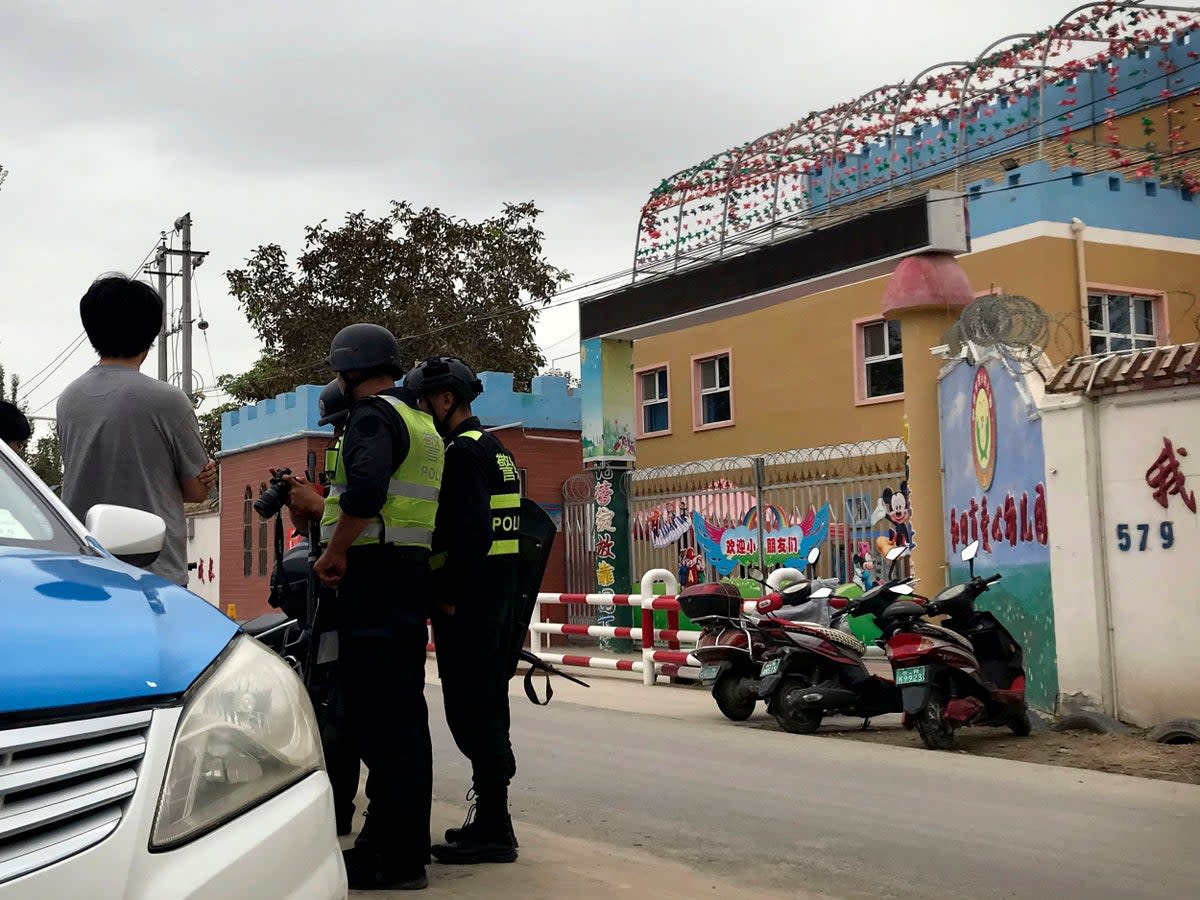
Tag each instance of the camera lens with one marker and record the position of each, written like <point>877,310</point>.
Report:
<point>272,500</point>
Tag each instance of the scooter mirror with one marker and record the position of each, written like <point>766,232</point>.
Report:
<point>970,551</point>
<point>756,573</point>
<point>902,589</point>
<point>895,553</point>
<point>813,555</point>
<point>822,593</point>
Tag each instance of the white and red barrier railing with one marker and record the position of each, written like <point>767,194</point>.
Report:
<point>654,662</point>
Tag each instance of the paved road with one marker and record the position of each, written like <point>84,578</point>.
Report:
<point>782,812</point>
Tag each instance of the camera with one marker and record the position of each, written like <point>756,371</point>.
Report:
<point>273,499</point>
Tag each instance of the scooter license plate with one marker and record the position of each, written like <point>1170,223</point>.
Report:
<point>708,674</point>
<point>770,667</point>
<point>913,675</point>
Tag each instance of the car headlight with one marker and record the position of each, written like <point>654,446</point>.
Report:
<point>247,733</point>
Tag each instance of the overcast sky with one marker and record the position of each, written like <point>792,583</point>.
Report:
<point>261,118</point>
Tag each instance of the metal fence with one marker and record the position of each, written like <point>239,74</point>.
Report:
<point>860,483</point>
<point>768,494</point>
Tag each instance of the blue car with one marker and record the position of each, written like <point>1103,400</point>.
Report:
<point>148,748</point>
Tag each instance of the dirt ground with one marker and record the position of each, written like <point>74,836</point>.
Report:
<point>1119,754</point>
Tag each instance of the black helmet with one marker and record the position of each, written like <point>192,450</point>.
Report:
<point>444,373</point>
<point>364,346</point>
<point>332,404</point>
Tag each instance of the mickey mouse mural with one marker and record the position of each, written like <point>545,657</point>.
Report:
<point>894,506</point>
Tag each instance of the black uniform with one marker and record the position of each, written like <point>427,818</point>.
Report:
<point>383,605</point>
<point>475,571</point>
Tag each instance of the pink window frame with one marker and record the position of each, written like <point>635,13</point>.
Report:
<point>1162,324</point>
<point>860,366</point>
<point>638,398</point>
<point>697,418</point>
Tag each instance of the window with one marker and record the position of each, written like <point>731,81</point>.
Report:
<point>883,363</point>
<point>715,406</point>
<point>653,398</point>
<point>247,533</point>
<point>1121,322</point>
<point>262,538</point>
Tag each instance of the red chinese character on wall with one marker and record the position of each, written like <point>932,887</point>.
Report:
<point>730,548</point>
<point>1166,478</point>
<point>605,547</point>
<point>604,492</point>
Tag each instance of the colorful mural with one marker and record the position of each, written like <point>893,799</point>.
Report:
<point>993,469</point>
<point>784,544</point>
<point>606,368</point>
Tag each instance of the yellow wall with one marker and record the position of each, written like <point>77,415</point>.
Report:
<point>793,364</point>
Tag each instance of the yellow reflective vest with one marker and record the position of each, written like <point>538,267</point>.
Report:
<point>408,514</point>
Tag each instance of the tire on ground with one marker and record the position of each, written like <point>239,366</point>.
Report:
<point>1177,731</point>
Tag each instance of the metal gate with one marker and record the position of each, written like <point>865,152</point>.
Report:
<point>579,536</point>
<point>768,495</point>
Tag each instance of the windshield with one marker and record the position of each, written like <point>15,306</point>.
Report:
<point>28,521</point>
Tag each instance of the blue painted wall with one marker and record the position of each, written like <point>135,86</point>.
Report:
<point>1102,200</point>
<point>547,406</point>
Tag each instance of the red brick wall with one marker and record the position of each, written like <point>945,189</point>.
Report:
<point>547,464</point>
<point>248,594</point>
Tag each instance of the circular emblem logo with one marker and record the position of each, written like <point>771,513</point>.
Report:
<point>983,428</point>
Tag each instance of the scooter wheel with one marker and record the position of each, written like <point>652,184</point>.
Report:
<point>794,718</point>
<point>732,698</point>
<point>1019,723</point>
<point>936,733</point>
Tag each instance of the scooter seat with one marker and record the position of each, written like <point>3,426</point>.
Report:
<point>260,625</point>
<point>833,635</point>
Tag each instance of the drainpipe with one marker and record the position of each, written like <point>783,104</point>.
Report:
<point>1093,456</point>
<point>1085,337</point>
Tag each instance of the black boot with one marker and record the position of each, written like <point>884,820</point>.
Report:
<point>367,869</point>
<point>487,838</point>
<point>470,826</point>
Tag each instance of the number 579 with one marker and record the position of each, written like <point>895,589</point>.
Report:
<point>1125,538</point>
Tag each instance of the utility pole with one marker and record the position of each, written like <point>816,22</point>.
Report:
<point>160,265</point>
<point>184,224</point>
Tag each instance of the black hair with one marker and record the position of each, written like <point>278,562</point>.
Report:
<point>14,427</point>
<point>122,317</point>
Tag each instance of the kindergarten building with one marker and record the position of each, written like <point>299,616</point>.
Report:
<point>791,365</point>
<point>540,427</point>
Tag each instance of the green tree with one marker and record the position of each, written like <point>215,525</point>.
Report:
<point>45,458</point>
<point>440,284</point>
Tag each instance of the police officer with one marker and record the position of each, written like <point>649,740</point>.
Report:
<point>377,531</point>
<point>475,587</point>
<point>342,760</point>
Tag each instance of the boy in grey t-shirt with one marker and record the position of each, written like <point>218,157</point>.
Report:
<point>126,438</point>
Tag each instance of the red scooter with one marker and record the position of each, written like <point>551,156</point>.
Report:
<point>969,671</point>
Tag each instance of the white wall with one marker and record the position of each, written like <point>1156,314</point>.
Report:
<point>204,548</point>
<point>1147,669</point>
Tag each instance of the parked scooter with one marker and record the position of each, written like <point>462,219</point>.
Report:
<point>730,647</point>
<point>811,671</point>
<point>967,671</point>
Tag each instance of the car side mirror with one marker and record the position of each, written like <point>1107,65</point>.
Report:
<point>770,603</point>
<point>133,536</point>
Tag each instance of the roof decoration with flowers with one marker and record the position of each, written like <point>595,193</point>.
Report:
<point>1059,85</point>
